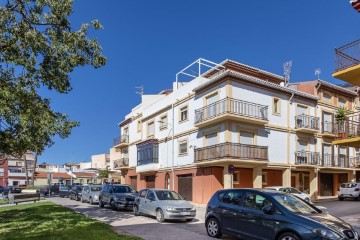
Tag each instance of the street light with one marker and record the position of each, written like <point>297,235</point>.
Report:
<point>173,152</point>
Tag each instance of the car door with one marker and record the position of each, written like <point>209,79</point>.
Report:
<point>149,203</point>
<point>255,223</point>
<point>85,193</point>
<point>140,201</point>
<point>230,210</point>
<point>105,197</point>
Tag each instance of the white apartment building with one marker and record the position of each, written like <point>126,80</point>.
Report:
<point>234,117</point>
<point>100,161</point>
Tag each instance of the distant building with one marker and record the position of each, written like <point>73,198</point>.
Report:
<point>41,178</point>
<point>101,161</point>
<point>12,170</point>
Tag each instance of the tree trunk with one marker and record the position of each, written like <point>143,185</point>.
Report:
<point>26,170</point>
<point>33,172</point>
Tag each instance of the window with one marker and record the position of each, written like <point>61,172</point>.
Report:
<point>211,139</point>
<point>255,201</point>
<point>236,177</point>
<point>232,197</point>
<point>342,102</point>
<point>183,113</point>
<point>151,195</point>
<point>139,124</point>
<point>276,106</point>
<point>151,129</point>
<point>183,147</point>
<point>142,194</point>
<point>246,137</point>
<point>163,122</point>
<point>326,97</point>
<point>264,178</point>
<point>211,106</point>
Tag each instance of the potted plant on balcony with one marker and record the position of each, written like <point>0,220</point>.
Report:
<point>340,117</point>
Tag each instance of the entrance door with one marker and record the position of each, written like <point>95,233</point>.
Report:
<point>307,183</point>
<point>293,181</point>
<point>327,122</point>
<point>185,186</point>
<point>326,184</point>
<point>133,182</point>
<point>150,181</point>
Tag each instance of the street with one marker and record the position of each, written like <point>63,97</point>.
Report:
<point>148,228</point>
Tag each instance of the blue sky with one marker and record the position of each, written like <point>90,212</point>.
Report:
<point>148,42</point>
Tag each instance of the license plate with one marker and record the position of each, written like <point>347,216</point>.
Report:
<point>185,213</point>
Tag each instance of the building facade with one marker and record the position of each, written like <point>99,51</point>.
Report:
<point>236,126</point>
<point>100,161</point>
<point>13,171</point>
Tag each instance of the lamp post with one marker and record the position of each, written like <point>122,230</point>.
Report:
<point>173,152</point>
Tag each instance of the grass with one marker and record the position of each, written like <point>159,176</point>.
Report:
<point>47,220</point>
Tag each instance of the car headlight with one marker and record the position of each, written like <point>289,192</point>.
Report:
<point>325,233</point>
<point>169,208</point>
<point>96,196</point>
<point>193,208</point>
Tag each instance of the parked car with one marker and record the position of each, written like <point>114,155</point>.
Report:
<point>12,189</point>
<point>293,191</point>
<point>52,189</point>
<point>1,189</point>
<point>349,190</point>
<point>75,192</point>
<point>90,193</point>
<point>64,191</point>
<point>117,196</point>
<point>269,214</point>
<point>163,204</point>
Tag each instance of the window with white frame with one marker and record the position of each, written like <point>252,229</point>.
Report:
<point>151,129</point>
<point>184,113</point>
<point>211,106</point>
<point>211,139</point>
<point>246,137</point>
<point>276,106</point>
<point>139,126</point>
<point>163,122</point>
<point>327,97</point>
<point>183,147</point>
<point>341,102</point>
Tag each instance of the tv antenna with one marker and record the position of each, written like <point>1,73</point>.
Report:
<point>317,73</point>
<point>287,71</point>
<point>140,90</point>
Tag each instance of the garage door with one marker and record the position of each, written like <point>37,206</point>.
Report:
<point>150,181</point>
<point>185,186</point>
<point>133,182</point>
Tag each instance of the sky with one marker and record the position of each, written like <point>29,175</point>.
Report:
<point>148,42</point>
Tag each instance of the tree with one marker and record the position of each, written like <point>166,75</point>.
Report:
<point>104,173</point>
<point>39,49</point>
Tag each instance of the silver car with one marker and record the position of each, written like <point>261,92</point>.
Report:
<point>291,190</point>
<point>163,204</point>
<point>90,193</point>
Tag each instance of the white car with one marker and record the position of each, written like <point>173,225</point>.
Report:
<point>349,190</point>
<point>291,190</point>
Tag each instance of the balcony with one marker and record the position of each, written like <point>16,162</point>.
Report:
<point>328,129</point>
<point>148,156</point>
<point>347,63</point>
<point>122,163</point>
<point>355,161</point>
<point>231,151</point>
<point>231,109</point>
<point>306,124</point>
<point>122,141</point>
<point>307,158</point>
<point>348,134</point>
<point>338,161</point>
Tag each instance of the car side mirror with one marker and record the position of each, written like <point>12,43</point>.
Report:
<point>267,209</point>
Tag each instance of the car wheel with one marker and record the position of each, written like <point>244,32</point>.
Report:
<point>341,199</point>
<point>112,205</point>
<point>91,201</point>
<point>77,198</point>
<point>288,236</point>
<point>136,210</point>
<point>213,228</point>
<point>81,199</point>
<point>160,216</point>
<point>101,204</point>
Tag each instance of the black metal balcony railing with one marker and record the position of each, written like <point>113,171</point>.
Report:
<point>122,139</point>
<point>304,157</point>
<point>328,127</point>
<point>306,121</point>
<point>231,150</point>
<point>329,160</point>
<point>232,106</point>
<point>122,162</point>
<point>348,129</point>
<point>347,56</point>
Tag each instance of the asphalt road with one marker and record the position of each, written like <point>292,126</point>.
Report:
<point>148,228</point>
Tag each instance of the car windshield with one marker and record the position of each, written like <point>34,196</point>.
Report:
<point>294,205</point>
<point>168,195</point>
<point>96,188</point>
<point>64,188</point>
<point>122,189</point>
<point>293,190</point>
<point>348,185</point>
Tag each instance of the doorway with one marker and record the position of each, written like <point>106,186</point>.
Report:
<point>326,184</point>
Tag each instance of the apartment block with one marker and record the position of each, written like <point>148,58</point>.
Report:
<point>13,170</point>
<point>100,161</point>
<point>233,125</point>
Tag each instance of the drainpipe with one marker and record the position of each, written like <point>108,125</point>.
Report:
<point>173,150</point>
<point>292,95</point>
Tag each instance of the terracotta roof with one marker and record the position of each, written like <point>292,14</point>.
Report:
<point>55,175</point>
<point>84,174</point>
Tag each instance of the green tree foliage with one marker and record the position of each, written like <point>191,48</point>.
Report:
<point>104,173</point>
<point>39,49</point>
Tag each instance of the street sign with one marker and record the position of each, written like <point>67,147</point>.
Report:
<point>231,169</point>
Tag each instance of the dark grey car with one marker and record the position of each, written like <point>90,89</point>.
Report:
<point>267,214</point>
<point>117,196</point>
